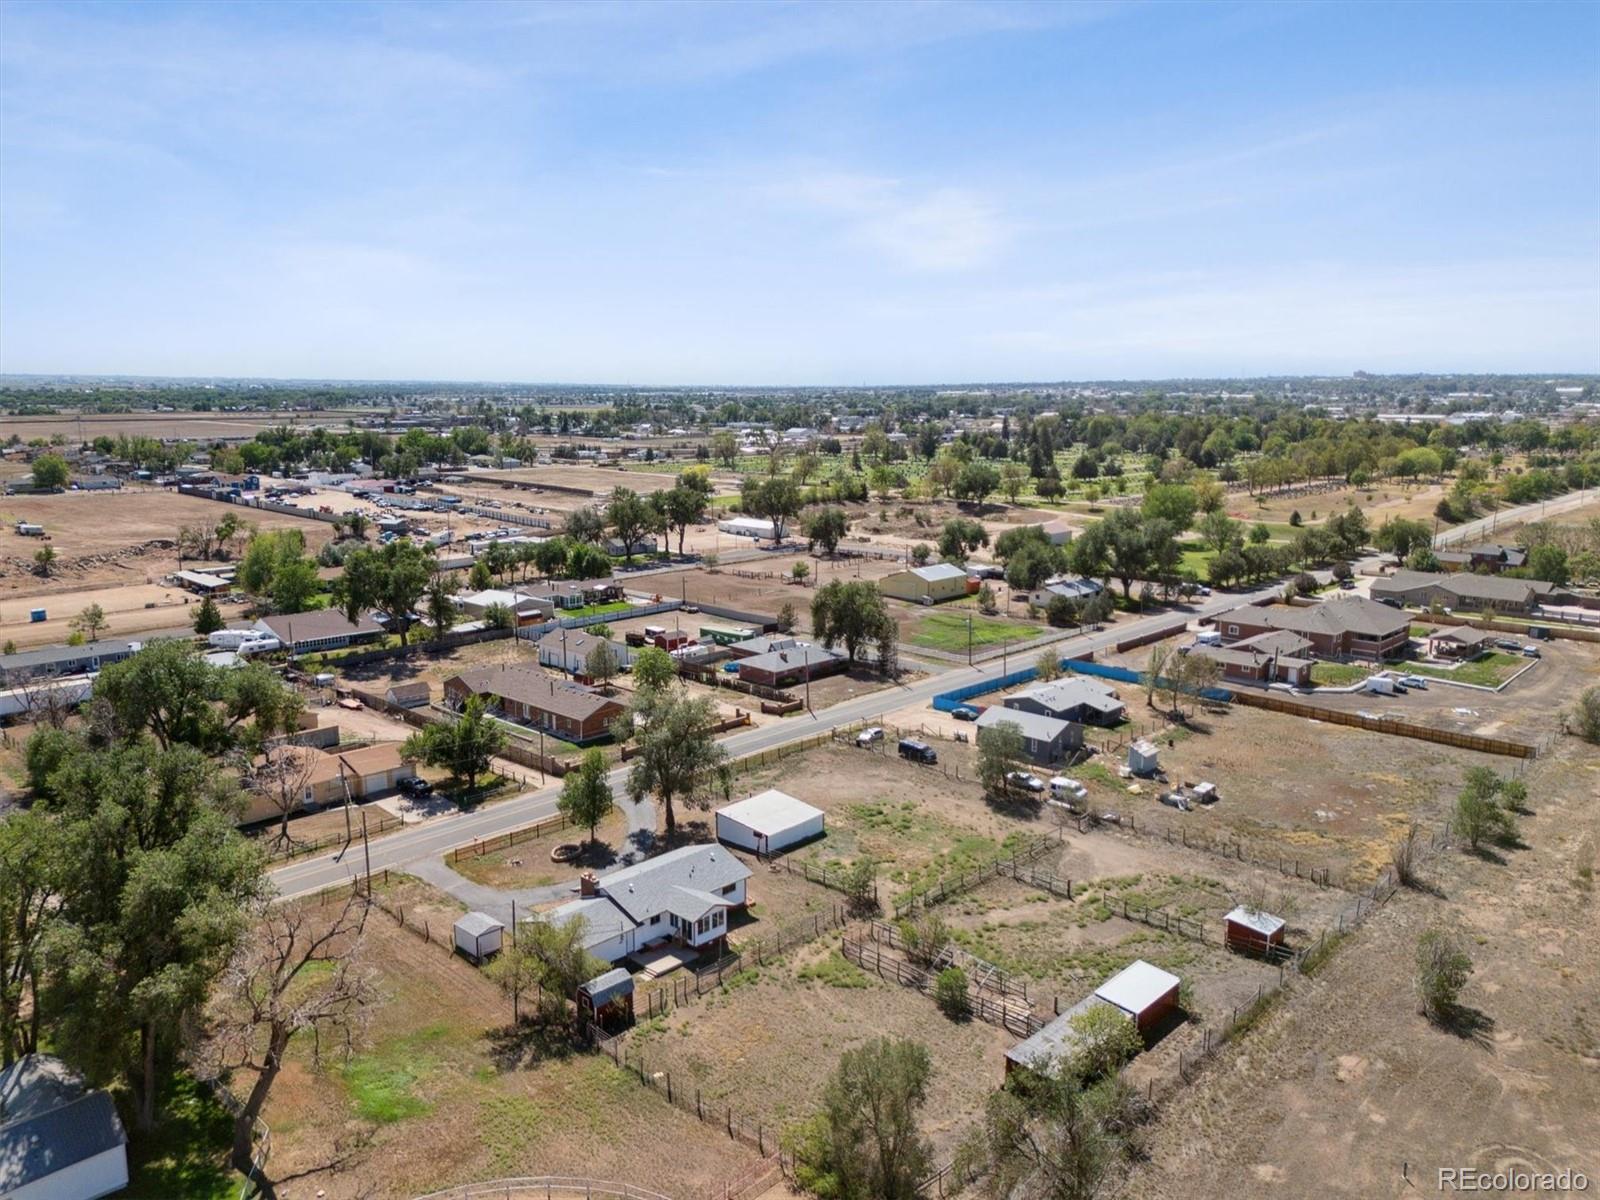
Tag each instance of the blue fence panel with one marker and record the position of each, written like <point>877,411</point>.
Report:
<point>953,699</point>
<point>1104,670</point>
<point>1125,675</point>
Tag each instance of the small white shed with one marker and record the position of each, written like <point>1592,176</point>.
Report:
<point>768,822</point>
<point>478,935</point>
<point>1143,758</point>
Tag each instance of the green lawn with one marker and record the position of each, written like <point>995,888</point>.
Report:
<point>1339,674</point>
<point>594,610</point>
<point>948,631</point>
<point>186,1154</point>
<point>1198,561</point>
<point>1490,671</point>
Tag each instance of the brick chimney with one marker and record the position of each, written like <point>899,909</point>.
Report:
<point>588,884</point>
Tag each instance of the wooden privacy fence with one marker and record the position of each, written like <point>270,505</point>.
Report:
<point>1155,635</point>
<point>1557,628</point>
<point>738,722</point>
<point>1334,716</point>
<point>1008,1014</point>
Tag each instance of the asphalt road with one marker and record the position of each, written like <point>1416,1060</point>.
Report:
<point>1484,526</point>
<point>438,836</point>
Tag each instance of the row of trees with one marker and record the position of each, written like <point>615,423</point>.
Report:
<point>125,891</point>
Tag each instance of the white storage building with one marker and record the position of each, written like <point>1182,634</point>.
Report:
<point>478,935</point>
<point>751,527</point>
<point>768,822</point>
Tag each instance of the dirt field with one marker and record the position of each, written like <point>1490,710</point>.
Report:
<point>441,1092</point>
<point>600,480</point>
<point>1359,1092</point>
<point>108,542</point>
<point>1521,712</point>
<point>194,426</point>
<point>1379,503</point>
<point>767,1042</point>
<point>1325,795</point>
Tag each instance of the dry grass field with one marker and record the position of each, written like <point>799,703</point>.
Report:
<point>766,1041</point>
<point>1379,503</point>
<point>443,1091</point>
<point>915,822</point>
<point>1351,1093</point>
<point>193,426</point>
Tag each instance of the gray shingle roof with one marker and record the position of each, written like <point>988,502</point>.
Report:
<point>647,888</point>
<point>50,1120</point>
<point>1033,726</point>
<point>793,658</point>
<point>1069,695</point>
<point>1348,614</point>
<point>602,920</point>
<point>48,656</point>
<point>313,626</point>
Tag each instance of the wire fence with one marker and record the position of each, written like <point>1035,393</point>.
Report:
<point>663,995</point>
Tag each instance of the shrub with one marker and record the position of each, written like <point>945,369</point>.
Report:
<point>950,993</point>
<point>1442,971</point>
<point>1106,1040</point>
<point>1586,716</point>
<point>924,935</point>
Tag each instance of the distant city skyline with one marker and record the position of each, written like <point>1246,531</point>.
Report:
<point>808,195</point>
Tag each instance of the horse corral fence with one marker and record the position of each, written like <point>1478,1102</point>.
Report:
<point>1008,1014</point>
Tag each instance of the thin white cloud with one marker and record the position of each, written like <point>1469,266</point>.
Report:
<point>915,228</point>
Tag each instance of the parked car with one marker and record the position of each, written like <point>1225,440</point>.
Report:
<point>416,787</point>
<point>1347,584</point>
<point>869,736</point>
<point>1508,644</point>
<point>1414,681</point>
<point>917,751</point>
<point>1063,788</point>
<point>1025,780</point>
<point>1531,652</point>
<point>965,713</point>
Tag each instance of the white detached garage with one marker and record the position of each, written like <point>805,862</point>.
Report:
<point>768,822</point>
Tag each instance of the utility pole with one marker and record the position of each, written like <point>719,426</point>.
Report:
<point>969,639</point>
<point>366,850</point>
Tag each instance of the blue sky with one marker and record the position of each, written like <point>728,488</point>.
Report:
<point>778,193</point>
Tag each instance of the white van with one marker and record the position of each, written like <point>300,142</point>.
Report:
<point>1062,788</point>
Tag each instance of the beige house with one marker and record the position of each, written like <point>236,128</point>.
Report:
<point>323,777</point>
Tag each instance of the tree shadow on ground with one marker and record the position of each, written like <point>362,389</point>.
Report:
<point>1467,1023</point>
<point>1019,806</point>
<point>528,1042</point>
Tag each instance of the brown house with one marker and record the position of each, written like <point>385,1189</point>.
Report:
<point>1462,642</point>
<point>798,663</point>
<point>1346,627</point>
<point>569,711</point>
